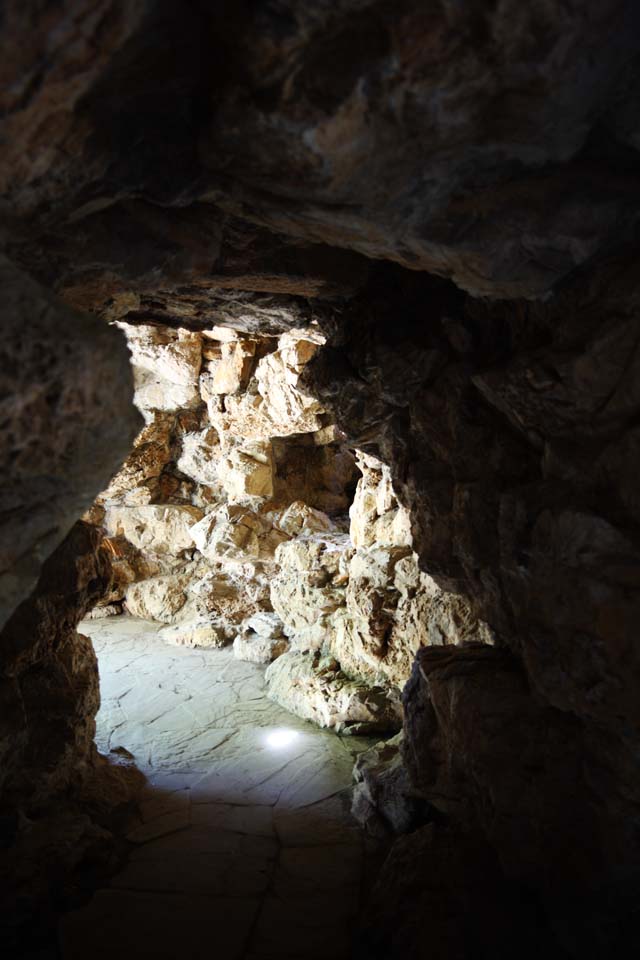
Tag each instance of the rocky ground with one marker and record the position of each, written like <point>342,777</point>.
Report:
<point>244,832</point>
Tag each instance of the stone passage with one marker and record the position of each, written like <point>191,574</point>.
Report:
<point>244,847</point>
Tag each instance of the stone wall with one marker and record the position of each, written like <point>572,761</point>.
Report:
<point>238,500</point>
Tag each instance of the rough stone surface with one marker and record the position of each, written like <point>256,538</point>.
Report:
<point>384,800</point>
<point>67,422</point>
<point>436,209</point>
<point>58,796</point>
<point>316,689</point>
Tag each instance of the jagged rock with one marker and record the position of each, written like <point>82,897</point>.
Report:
<point>197,633</point>
<point>159,598</point>
<point>316,689</point>
<point>157,529</point>
<point>166,368</point>
<point>375,514</point>
<point>310,586</point>
<point>199,457</point>
<point>261,639</point>
<point>383,799</point>
<point>273,405</point>
<point>229,371</point>
<point>234,534</point>
<point>138,475</point>
<point>267,625</point>
<point>300,519</point>
<point>255,648</point>
<point>392,611</point>
<point>278,376</point>
<point>246,472</point>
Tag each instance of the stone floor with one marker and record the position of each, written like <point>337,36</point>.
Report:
<point>245,847</point>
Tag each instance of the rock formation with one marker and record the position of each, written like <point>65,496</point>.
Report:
<point>330,228</point>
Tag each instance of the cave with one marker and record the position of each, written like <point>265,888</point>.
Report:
<point>319,406</point>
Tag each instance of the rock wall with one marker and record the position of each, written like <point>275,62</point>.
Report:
<point>446,202</point>
<point>60,800</point>
<point>233,503</point>
<point>503,452</point>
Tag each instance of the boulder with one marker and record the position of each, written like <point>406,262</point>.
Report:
<point>159,598</point>
<point>158,529</point>
<point>196,633</point>
<point>255,648</point>
<point>315,689</point>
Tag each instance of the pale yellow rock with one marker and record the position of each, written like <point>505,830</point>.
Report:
<point>236,534</point>
<point>197,633</point>
<point>160,598</point>
<point>316,689</point>
<point>310,587</point>
<point>375,515</point>
<point>267,625</point>
<point>230,372</point>
<point>158,529</point>
<point>172,356</point>
<point>299,518</point>
<point>278,376</point>
<point>392,609</point>
<point>246,471</point>
<point>166,367</point>
<point>255,648</point>
<point>200,455</point>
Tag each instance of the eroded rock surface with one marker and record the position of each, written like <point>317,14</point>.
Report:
<point>231,183</point>
<point>66,424</point>
<point>60,798</point>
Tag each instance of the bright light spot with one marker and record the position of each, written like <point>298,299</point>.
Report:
<point>281,738</point>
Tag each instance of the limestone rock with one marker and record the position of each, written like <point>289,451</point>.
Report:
<point>266,625</point>
<point>299,519</point>
<point>278,375</point>
<point>317,690</point>
<point>256,648</point>
<point>228,372</point>
<point>375,514</point>
<point>246,472</point>
<point>261,639</point>
<point>166,367</point>
<point>197,633</point>
<point>234,534</point>
<point>137,478</point>
<point>274,403</point>
<point>158,598</point>
<point>199,457</point>
<point>310,586</point>
<point>162,529</point>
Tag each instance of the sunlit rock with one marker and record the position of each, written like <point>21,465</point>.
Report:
<point>316,689</point>
<point>197,633</point>
<point>157,529</point>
